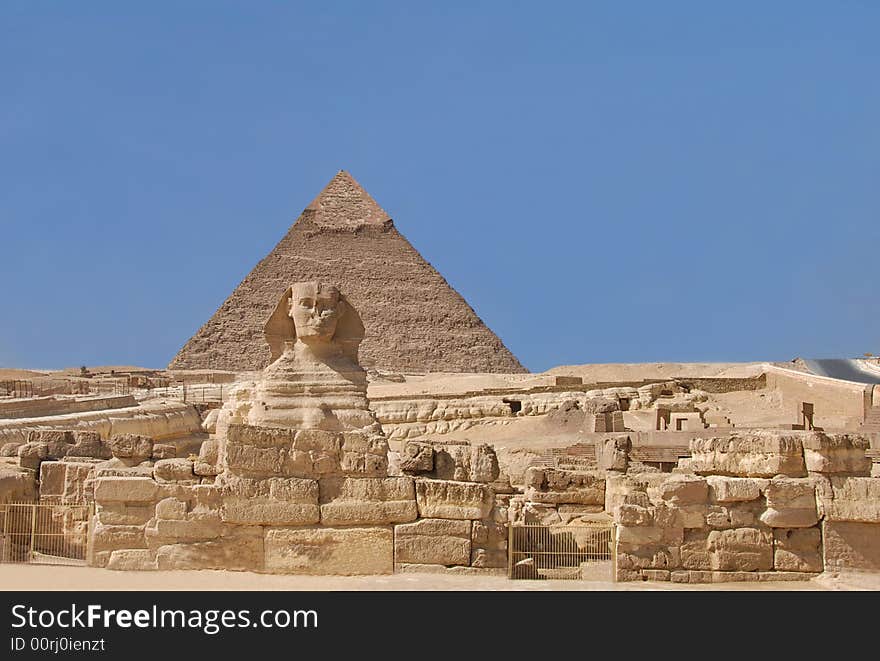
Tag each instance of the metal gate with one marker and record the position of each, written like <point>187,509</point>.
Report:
<point>566,552</point>
<point>44,534</point>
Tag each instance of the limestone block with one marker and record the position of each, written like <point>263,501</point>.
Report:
<point>734,489</point>
<point>169,531</point>
<point>631,489</point>
<point>174,470</point>
<point>77,483</point>
<point>122,514</point>
<point>557,486</point>
<point>612,454</point>
<point>171,508</point>
<point>275,501</point>
<point>837,454</point>
<point>31,454</point>
<point>125,489</point>
<point>89,444</point>
<point>757,454</point>
<point>329,551</point>
<point>52,478</point>
<point>681,490</point>
<point>489,534</point>
<point>443,499</point>
<point>132,560</point>
<point>854,499</point>
<point>791,503</point>
<point>797,549</point>
<point>241,549</point>
<point>209,451</point>
<point>457,461</point>
<point>634,515</point>
<point>488,558</point>
<point>161,451</point>
<point>10,449</point>
<point>63,437</point>
<point>433,542</point>
<point>417,457</point>
<point>740,549</point>
<point>112,538</point>
<point>17,485</point>
<point>650,557</point>
<point>367,500</point>
<point>639,535</point>
<point>851,545</point>
<point>131,447</point>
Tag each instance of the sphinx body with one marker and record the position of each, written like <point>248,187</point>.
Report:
<point>314,380</point>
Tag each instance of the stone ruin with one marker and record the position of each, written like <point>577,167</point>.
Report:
<point>298,478</point>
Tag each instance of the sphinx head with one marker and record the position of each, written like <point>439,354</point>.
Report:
<point>316,314</point>
<point>315,309</point>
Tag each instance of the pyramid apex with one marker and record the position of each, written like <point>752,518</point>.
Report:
<point>343,203</point>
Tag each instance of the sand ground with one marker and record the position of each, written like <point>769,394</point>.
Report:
<point>55,578</point>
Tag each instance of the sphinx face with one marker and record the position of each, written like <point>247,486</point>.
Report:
<point>315,310</point>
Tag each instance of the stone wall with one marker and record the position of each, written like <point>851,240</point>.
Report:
<point>751,507</point>
<point>302,502</point>
<point>43,406</point>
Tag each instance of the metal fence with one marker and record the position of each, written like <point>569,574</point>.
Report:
<point>564,552</point>
<point>193,394</point>
<point>38,533</point>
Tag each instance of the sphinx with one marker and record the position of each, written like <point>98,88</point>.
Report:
<point>314,380</point>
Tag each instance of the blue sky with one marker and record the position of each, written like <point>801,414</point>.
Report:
<point>603,182</point>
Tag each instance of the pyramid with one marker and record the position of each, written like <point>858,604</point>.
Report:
<point>415,321</point>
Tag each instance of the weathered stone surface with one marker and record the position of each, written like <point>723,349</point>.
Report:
<point>557,486</point>
<point>797,549</point>
<point>837,454</point>
<point>131,447</point>
<point>791,503</point>
<point>125,489</point>
<point>122,514</point>
<point>78,486</point>
<point>242,549</point>
<point>367,501</point>
<point>62,436</point>
<point>192,529</point>
<point>17,485</point>
<point>854,499</point>
<point>89,444</point>
<point>488,558</point>
<point>417,457</point>
<point>319,551</point>
<point>851,545</point>
<point>740,549</point>
<point>52,478</point>
<point>443,499</point>
<point>162,451</point>
<point>10,449</point>
<point>274,501</point>
<point>132,560</point>
<point>681,490</point>
<point>112,538</point>
<point>734,489</point>
<point>756,454</point>
<point>309,453</point>
<point>31,454</point>
<point>174,470</point>
<point>612,454</point>
<point>209,452</point>
<point>171,508</point>
<point>433,541</point>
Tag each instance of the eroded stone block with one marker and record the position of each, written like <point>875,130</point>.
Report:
<point>328,551</point>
